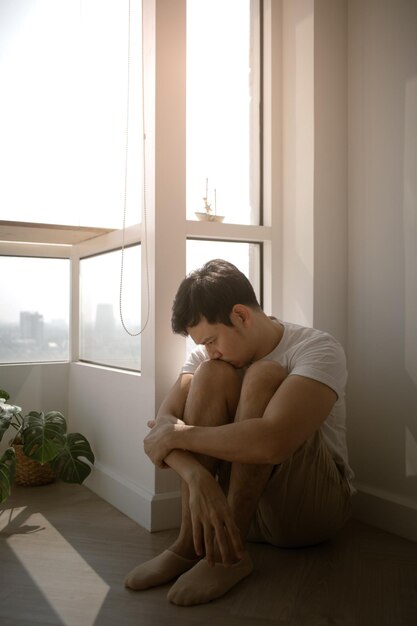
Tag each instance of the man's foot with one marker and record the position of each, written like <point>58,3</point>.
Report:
<point>158,571</point>
<point>204,583</point>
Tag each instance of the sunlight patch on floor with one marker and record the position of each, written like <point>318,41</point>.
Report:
<point>70,586</point>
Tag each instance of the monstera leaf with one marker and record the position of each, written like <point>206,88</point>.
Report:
<point>7,471</point>
<point>44,435</point>
<point>68,465</point>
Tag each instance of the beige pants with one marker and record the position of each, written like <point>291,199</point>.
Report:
<point>306,500</point>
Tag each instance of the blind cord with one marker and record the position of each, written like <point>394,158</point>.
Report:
<point>145,228</point>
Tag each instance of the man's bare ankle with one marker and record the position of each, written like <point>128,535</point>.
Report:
<point>183,549</point>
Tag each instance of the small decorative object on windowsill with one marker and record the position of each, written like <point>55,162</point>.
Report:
<point>41,450</point>
<point>207,215</point>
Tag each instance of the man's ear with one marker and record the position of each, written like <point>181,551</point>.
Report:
<point>241,314</point>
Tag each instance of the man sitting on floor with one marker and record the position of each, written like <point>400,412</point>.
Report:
<point>255,427</point>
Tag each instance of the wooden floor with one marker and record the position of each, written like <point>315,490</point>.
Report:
<point>64,553</point>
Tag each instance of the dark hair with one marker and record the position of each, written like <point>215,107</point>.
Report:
<point>211,292</point>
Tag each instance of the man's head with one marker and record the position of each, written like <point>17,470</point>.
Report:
<point>211,292</point>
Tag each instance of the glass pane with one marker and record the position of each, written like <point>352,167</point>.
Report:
<point>246,257</point>
<point>63,112</point>
<point>34,313</point>
<point>223,104</point>
<point>103,339</point>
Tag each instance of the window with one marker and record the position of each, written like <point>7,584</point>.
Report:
<point>223,109</point>
<point>63,72</point>
<point>63,122</point>
<point>245,255</point>
<point>224,136</point>
<point>34,314</point>
<point>73,127</point>
<point>103,340</point>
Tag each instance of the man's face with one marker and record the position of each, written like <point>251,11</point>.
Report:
<point>227,343</point>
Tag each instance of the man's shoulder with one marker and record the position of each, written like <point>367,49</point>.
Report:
<point>299,333</point>
<point>303,340</point>
<point>316,354</point>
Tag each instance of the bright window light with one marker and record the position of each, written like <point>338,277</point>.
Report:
<point>103,339</point>
<point>223,106</point>
<point>34,312</point>
<point>63,72</point>
<point>246,257</point>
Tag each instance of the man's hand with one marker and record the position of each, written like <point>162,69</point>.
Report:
<point>158,443</point>
<point>212,520</point>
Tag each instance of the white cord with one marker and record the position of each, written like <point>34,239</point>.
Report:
<point>145,229</point>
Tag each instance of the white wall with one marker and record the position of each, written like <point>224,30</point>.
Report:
<point>350,224</point>
<point>111,408</point>
<point>314,161</point>
<point>298,161</point>
<point>382,304</point>
<point>42,387</point>
<point>330,167</point>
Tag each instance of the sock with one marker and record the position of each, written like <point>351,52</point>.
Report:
<point>204,583</point>
<point>158,571</point>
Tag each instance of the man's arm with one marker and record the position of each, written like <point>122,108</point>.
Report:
<point>173,405</point>
<point>294,413</point>
<point>211,518</point>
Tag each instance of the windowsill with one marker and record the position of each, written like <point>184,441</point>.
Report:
<point>34,363</point>
<point>222,230</point>
<point>96,366</point>
<point>106,368</point>
<point>28,232</point>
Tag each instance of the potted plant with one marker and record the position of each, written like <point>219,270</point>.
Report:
<point>41,440</point>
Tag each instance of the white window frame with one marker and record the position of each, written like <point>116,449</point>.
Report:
<point>105,243</point>
<point>168,227</point>
<point>33,250</point>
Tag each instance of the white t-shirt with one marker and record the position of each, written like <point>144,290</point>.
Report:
<point>314,354</point>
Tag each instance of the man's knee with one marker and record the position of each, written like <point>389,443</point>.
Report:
<point>215,373</point>
<point>217,384</point>
<point>264,376</point>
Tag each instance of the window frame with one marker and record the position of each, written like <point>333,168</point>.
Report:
<point>125,247</point>
<point>165,185</point>
<point>255,137</point>
<point>228,240</point>
<point>93,247</point>
<point>39,251</point>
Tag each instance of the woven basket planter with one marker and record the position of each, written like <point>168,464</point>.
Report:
<point>31,473</point>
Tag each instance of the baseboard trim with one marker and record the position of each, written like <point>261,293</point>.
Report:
<point>151,511</point>
<point>386,510</point>
<point>162,511</point>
